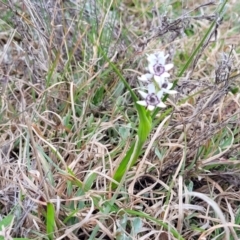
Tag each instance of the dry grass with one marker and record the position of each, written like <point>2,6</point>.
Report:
<point>67,121</point>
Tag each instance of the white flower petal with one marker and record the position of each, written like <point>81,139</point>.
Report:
<point>169,85</point>
<point>160,54</point>
<point>151,88</point>
<point>168,66</point>
<point>159,79</point>
<point>145,77</point>
<point>150,107</point>
<point>143,103</point>
<point>157,57</point>
<point>166,56</point>
<point>161,105</point>
<point>160,57</point>
<point>151,58</point>
<point>165,74</point>
<point>151,68</point>
<point>143,94</point>
<point>160,94</point>
<point>170,91</point>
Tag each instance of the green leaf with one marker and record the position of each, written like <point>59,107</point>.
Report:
<point>234,90</point>
<point>6,221</point>
<point>165,225</point>
<point>89,181</point>
<point>144,129</point>
<point>145,126</point>
<point>136,226</point>
<point>145,123</point>
<point>21,239</point>
<point>120,171</point>
<point>50,220</point>
<point>124,132</point>
<point>189,31</point>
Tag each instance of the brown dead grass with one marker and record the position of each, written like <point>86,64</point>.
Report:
<point>49,123</point>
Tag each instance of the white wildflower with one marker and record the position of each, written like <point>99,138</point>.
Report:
<point>157,64</point>
<point>164,85</point>
<point>152,99</point>
<point>155,81</point>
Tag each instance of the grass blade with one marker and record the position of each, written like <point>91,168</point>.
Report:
<point>50,221</point>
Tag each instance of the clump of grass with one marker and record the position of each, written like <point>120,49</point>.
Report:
<point>80,160</point>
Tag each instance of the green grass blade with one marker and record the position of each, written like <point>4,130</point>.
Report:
<point>6,221</point>
<point>201,43</point>
<point>2,238</point>
<point>157,221</point>
<point>50,221</point>
<point>90,179</point>
<point>123,166</point>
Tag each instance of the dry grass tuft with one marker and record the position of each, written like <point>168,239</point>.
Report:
<point>66,122</point>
